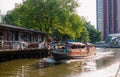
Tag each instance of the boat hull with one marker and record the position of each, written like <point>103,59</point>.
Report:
<point>63,55</point>
<point>60,55</point>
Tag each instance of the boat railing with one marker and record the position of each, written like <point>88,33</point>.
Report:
<point>12,45</point>
<point>19,45</point>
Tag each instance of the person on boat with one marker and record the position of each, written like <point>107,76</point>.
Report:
<point>88,48</point>
<point>52,45</point>
<point>41,45</point>
<point>65,49</point>
<point>48,46</point>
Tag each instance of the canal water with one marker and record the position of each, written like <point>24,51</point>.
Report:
<point>104,64</point>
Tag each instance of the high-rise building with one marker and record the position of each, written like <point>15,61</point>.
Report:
<point>0,17</point>
<point>108,15</point>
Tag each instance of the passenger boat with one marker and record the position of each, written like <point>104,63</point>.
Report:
<point>70,50</point>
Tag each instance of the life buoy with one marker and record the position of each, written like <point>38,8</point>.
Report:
<point>115,43</point>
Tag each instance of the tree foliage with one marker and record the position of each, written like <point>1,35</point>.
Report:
<point>56,17</point>
<point>84,36</point>
<point>47,16</point>
<point>94,35</point>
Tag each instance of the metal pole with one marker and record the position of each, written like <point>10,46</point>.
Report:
<point>117,70</point>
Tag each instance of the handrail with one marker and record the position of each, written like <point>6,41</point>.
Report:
<point>18,45</point>
<point>12,44</point>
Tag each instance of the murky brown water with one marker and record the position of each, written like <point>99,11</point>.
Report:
<point>104,64</point>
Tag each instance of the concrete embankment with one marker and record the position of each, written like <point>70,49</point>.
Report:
<point>102,45</point>
<point>106,45</point>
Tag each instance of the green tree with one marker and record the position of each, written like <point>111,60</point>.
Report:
<point>73,28</point>
<point>84,36</point>
<point>54,16</point>
<point>94,34</point>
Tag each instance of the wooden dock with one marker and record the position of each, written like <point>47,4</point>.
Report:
<point>17,42</point>
<point>10,50</point>
<point>6,55</point>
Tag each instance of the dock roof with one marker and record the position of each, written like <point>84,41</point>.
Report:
<point>20,28</point>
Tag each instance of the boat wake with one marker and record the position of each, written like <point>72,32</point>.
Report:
<point>86,60</point>
<point>99,55</point>
<point>106,72</point>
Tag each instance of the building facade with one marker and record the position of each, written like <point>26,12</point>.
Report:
<point>15,37</point>
<point>0,17</point>
<point>108,15</point>
<point>15,33</point>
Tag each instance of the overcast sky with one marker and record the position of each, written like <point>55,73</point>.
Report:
<point>87,8</point>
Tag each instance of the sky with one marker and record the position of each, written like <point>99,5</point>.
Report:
<point>87,8</point>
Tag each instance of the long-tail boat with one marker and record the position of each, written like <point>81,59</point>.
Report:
<point>70,50</point>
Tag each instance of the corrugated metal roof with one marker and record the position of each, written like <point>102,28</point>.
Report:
<point>20,28</point>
